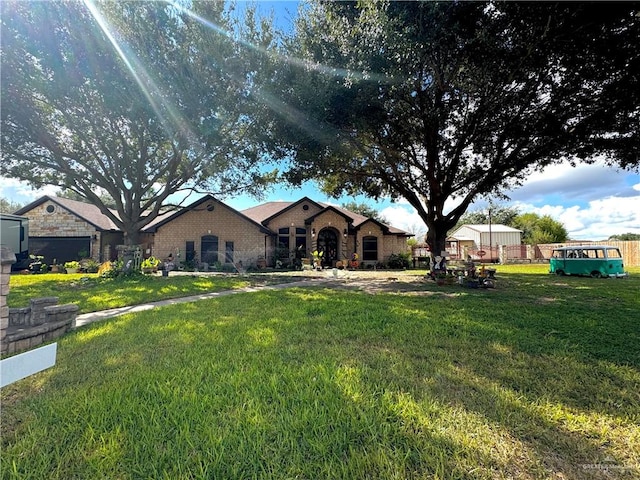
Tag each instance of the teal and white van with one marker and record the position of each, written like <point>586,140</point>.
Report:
<point>595,260</point>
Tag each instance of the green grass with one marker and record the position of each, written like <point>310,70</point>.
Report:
<point>93,293</point>
<point>537,379</point>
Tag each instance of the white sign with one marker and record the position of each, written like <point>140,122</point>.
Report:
<point>20,366</point>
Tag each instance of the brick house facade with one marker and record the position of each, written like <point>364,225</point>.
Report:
<point>208,231</point>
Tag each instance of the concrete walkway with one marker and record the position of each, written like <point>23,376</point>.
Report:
<point>87,318</point>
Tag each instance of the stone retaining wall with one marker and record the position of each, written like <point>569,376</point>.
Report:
<point>41,322</point>
<point>7,258</point>
<point>27,327</point>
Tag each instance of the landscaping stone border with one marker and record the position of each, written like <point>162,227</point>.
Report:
<point>27,327</point>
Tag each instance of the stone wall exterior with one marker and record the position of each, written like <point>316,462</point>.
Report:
<point>336,222</point>
<point>294,218</point>
<point>28,327</point>
<point>372,229</point>
<point>395,244</point>
<point>62,223</point>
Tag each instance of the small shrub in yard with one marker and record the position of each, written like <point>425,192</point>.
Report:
<point>399,260</point>
<point>91,266</point>
<point>72,265</point>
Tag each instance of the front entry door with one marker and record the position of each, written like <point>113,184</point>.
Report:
<point>328,244</point>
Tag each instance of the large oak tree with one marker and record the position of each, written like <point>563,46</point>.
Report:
<point>128,101</point>
<point>442,102</point>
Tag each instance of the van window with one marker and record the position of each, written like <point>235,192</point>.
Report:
<point>614,253</point>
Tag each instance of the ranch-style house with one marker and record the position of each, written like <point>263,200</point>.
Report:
<point>209,232</point>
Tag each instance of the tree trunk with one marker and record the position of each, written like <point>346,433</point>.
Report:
<point>131,236</point>
<point>436,239</point>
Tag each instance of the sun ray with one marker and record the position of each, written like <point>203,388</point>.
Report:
<point>148,86</point>
<point>306,64</point>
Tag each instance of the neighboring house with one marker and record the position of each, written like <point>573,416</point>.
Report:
<point>469,240</point>
<point>65,230</point>
<point>208,231</point>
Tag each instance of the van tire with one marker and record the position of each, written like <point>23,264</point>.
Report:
<point>596,274</point>
<point>560,273</point>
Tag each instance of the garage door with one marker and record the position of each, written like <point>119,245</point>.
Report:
<point>63,249</point>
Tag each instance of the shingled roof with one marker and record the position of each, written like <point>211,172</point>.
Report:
<point>266,211</point>
<point>86,211</point>
<point>207,199</point>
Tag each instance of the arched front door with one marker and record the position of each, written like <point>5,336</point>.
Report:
<point>328,244</point>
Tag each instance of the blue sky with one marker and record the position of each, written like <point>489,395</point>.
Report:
<point>592,201</point>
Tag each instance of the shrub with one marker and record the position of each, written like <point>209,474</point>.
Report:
<point>399,260</point>
<point>91,266</point>
<point>151,262</point>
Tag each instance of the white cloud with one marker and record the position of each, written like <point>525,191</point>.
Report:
<point>20,192</point>
<point>598,220</point>
<point>581,183</point>
<point>593,202</point>
<point>405,218</point>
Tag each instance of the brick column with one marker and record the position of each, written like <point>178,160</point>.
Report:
<point>7,258</point>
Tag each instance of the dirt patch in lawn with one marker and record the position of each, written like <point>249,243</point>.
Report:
<point>400,282</point>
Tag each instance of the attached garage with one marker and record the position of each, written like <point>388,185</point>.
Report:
<point>66,230</point>
<point>62,249</point>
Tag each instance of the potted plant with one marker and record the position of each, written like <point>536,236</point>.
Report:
<point>150,265</point>
<point>72,267</point>
<point>36,263</point>
<point>92,266</point>
<point>54,268</point>
<point>317,259</point>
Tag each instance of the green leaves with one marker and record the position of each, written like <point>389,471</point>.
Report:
<point>138,100</point>
<point>439,100</point>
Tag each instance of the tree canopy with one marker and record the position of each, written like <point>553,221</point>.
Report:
<point>9,206</point>
<point>442,102</point>
<point>131,102</point>
<point>625,236</point>
<point>538,229</point>
<point>364,209</point>
<point>494,214</point>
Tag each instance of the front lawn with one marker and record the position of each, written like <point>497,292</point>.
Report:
<point>537,379</point>
<point>93,293</point>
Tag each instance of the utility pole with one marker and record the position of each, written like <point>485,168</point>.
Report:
<point>490,236</point>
